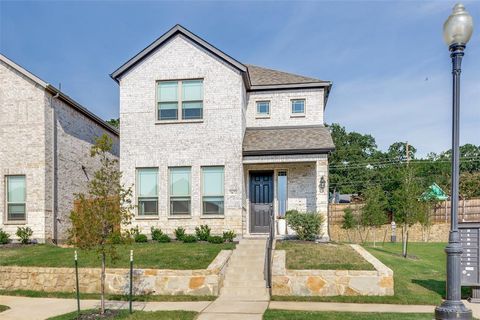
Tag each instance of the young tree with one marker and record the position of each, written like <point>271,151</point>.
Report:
<point>406,204</point>
<point>99,214</point>
<point>374,211</point>
<point>427,207</point>
<point>349,221</point>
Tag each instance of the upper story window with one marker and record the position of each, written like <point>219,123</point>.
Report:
<point>263,108</point>
<point>180,99</point>
<point>16,198</point>
<point>298,106</point>
<point>147,191</point>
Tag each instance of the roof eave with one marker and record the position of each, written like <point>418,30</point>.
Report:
<point>291,86</point>
<point>177,29</point>
<point>288,152</point>
<point>81,109</point>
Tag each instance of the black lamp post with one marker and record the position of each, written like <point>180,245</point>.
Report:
<point>457,30</point>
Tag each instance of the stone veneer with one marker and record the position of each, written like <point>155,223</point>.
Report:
<point>146,281</point>
<point>287,282</point>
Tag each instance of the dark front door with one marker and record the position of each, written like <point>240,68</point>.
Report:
<point>261,201</point>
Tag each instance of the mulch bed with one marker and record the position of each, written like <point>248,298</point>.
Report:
<point>109,314</point>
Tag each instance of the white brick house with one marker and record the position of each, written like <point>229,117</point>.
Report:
<point>45,139</point>
<point>209,140</point>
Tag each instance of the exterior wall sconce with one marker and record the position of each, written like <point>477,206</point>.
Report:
<point>322,184</point>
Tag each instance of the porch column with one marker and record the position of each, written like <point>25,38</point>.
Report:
<point>322,194</point>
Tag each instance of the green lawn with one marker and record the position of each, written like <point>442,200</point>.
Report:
<point>174,255</point>
<point>139,315</point>
<point>3,308</point>
<point>307,315</point>
<point>96,296</point>
<point>309,255</point>
<point>418,280</point>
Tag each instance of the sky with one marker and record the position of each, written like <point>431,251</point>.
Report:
<point>390,69</point>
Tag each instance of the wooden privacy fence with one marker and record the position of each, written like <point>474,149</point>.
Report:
<point>468,211</point>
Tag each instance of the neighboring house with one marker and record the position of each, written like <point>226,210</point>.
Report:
<point>45,140</point>
<point>209,140</point>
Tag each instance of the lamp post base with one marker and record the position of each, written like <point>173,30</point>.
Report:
<point>452,310</point>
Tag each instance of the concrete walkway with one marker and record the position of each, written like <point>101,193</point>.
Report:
<point>24,308</point>
<point>362,307</point>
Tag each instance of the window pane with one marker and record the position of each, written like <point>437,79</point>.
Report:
<point>16,189</point>
<point>263,107</point>
<point>168,91</point>
<point>282,193</point>
<point>180,181</point>
<point>213,178</point>
<point>147,182</point>
<point>298,106</point>
<point>213,205</point>
<point>192,110</point>
<point>16,212</point>
<point>167,111</point>
<point>192,90</point>
<point>180,205</point>
<point>148,206</point>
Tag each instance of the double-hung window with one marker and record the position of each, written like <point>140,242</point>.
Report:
<point>16,196</point>
<point>180,100</point>
<point>147,191</point>
<point>263,108</point>
<point>298,106</point>
<point>213,190</point>
<point>180,203</point>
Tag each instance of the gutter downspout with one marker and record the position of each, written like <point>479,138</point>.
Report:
<point>54,169</point>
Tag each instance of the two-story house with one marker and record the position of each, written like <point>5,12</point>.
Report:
<point>45,141</point>
<point>207,139</point>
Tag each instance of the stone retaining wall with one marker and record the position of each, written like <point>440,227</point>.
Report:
<point>331,282</point>
<point>145,281</point>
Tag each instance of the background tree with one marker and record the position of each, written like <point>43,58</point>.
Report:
<point>373,214</point>
<point>349,222</point>
<point>406,204</point>
<point>425,217</point>
<point>99,214</point>
<point>114,122</point>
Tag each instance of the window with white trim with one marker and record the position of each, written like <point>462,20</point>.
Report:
<point>181,99</point>
<point>213,180</point>
<point>16,198</point>
<point>180,186</point>
<point>147,191</point>
<point>298,106</point>
<point>263,108</point>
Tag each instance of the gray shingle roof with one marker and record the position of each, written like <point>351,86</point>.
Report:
<point>260,76</point>
<point>287,140</point>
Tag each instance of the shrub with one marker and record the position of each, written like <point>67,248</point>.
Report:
<point>229,235</point>
<point>24,233</point>
<point>202,232</point>
<point>179,233</point>
<point>141,238</point>
<point>215,239</point>
<point>4,237</point>
<point>163,238</point>
<point>189,238</point>
<point>306,225</point>
<point>156,233</point>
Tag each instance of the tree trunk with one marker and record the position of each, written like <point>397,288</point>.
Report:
<point>348,236</point>
<point>374,237</point>
<point>404,240</point>
<point>102,285</point>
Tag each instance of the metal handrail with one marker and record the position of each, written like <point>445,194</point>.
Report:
<point>268,253</point>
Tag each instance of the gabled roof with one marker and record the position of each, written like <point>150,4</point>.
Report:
<point>60,95</point>
<point>177,29</point>
<point>255,78</point>
<point>287,140</point>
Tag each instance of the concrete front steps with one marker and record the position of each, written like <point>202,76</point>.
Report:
<point>244,295</point>
<point>244,278</point>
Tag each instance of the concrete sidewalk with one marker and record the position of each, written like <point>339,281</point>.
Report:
<point>362,307</point>
<point>24,308</point>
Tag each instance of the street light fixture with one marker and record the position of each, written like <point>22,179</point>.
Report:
<point>457,30</point>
